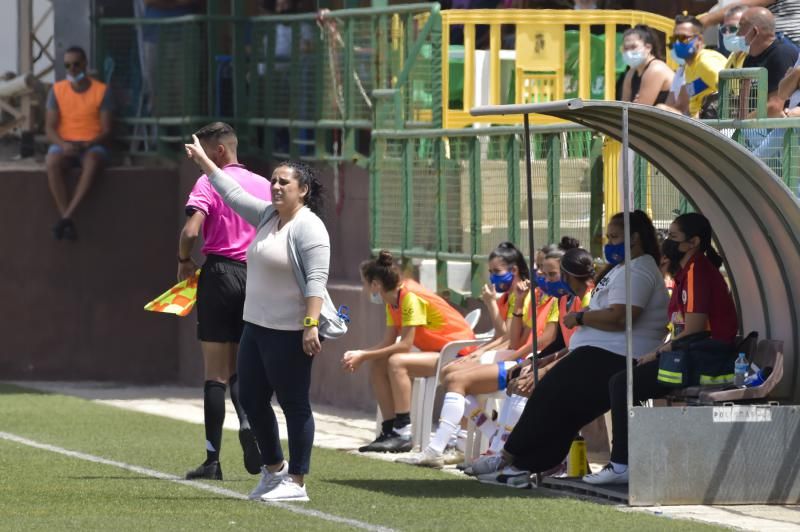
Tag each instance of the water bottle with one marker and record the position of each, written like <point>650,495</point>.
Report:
<point>577,463</point>
<point>740,370</point>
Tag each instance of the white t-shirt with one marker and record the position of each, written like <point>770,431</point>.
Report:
<point>647,292</point>
<point>272,297</point>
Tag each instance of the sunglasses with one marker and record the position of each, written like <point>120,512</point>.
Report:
<point>681,38</point>
<point>729,29</point>
<point>75,64</point>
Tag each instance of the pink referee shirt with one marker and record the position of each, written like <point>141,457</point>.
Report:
<point>224,232</point>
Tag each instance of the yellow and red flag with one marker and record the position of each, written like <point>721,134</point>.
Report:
<point>177,300</point>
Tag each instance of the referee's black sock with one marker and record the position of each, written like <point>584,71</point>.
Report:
<point>386,426</point>
<point>234,384</point>
<point>214,407</point>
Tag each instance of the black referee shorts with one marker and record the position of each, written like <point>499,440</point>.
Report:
<point>220,300</point>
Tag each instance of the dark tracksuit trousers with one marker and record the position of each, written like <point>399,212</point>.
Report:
<point>273,362</point>
<point>586,384</point>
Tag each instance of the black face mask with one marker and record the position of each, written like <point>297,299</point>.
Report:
<point>670,250</point>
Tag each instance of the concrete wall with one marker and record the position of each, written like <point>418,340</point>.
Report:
<point>73,311</point>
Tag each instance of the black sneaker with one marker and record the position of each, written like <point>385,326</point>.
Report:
<point>252,458</point>
<point>375,446</point>
<point>395,444</point>
<point>210,471</point>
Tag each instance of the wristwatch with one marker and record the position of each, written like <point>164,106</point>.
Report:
<point>579,318</point>
<point>310,322</point>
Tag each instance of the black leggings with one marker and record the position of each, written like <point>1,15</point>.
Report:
<point>272,361</point>
<point>645,386</point>
<point>571,395</point>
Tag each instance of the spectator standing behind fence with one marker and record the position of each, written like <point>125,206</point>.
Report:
<point>285,306</point>
<point>786,13</point>
<point>78,126</point>
<point>649,79</point>
<point>702,68</point>
<point>757,26</point>
<point>149,36</point>
<point>733,42</point>
<point>220,291</point>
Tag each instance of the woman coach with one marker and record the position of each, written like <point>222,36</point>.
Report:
<point>286,307</point>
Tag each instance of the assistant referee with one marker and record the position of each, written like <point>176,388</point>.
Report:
<point>220,291</point>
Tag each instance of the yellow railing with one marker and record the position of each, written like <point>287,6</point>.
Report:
<point>538,55</point>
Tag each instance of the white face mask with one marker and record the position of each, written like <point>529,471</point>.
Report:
<point>375,297</point>
<point>634,58</point>
<point>735,43</point>
<point>76,79</point>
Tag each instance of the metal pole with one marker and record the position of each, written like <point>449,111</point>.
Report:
<point>626,209</point>
<point>532,254</point>
<point>531,246</point>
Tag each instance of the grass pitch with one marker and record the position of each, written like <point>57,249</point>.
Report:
<point>43,490</point>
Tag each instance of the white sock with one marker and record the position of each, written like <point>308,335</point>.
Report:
<point>476,413</point>
<point>619,468</point>
<point>507,419</point>
<point>449,421</point>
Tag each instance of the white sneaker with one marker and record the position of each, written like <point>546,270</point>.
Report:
<point>509,476</point>
<point>287,490</point>
<point>607,475</point>
<point>427,458</point>
<point>269,481</point>
<point>490,463</point>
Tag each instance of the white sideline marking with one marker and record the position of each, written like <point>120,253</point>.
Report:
<point>193,483</point>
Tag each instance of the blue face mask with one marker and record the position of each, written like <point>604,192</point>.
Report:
<point>558,289</point>
<point>541,282</point>
<point>615,253</point>
<point>685,50</point>
<point>375,297</point>
<point>677,59</point>
<point>502,282</point>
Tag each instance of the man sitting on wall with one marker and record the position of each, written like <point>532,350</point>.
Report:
<point>78,124</point>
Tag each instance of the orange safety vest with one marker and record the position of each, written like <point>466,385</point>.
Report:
<point>544,304</point>
<point>563,310</point>
<point>433,337</point>
<point>79,112</point>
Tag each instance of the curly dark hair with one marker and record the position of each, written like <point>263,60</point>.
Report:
<point>306,176</point>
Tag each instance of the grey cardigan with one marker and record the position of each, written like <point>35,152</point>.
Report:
<point>308,241</point>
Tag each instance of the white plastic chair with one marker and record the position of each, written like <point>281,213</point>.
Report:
<point>423,393</point>
<point>472,318</point>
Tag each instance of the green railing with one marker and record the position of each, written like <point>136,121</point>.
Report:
<point>368,81</point>
<point>452,195</point>
<point>743,92</point>
<point>293,85</point>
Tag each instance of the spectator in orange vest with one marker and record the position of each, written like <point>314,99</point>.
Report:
<point>78,125</point>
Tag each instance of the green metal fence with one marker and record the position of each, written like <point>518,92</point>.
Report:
<point>294,85</point>
<point>452,195</point>
<point>368,81</point>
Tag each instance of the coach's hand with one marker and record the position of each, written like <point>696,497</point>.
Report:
<point>311,343</point>
<point>196,153</point>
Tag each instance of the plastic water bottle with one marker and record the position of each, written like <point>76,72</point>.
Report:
<point>740,368</point>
